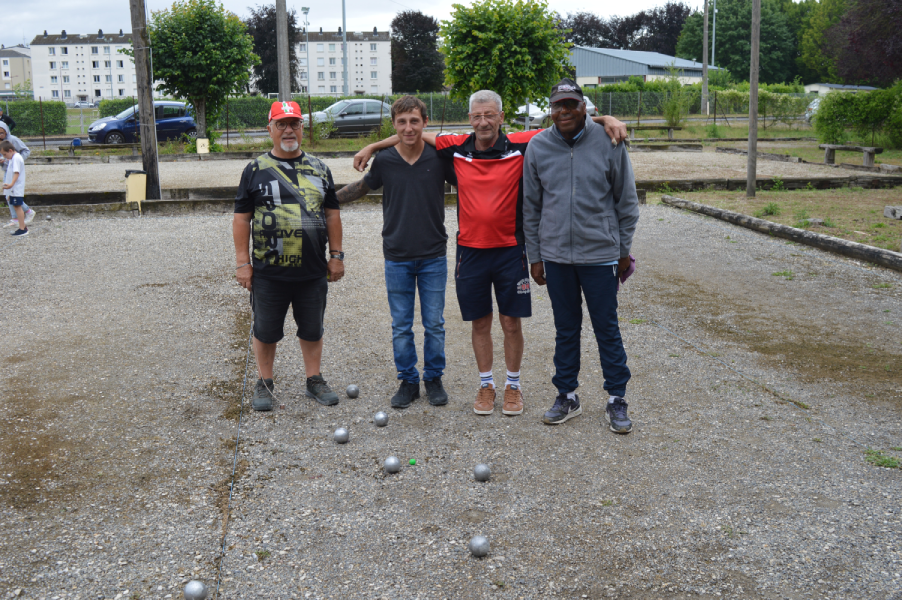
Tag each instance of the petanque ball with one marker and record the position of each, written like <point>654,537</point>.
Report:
<point>482,472</point>
<point>479,546</point>
<point>353,391</point>
<point>380,419</point>
<point>392,464</point>
<point>195,590</point>
<point>341,435</point>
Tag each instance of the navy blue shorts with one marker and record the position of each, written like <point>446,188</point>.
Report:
<point>16,200</point>
<point>479,269</point>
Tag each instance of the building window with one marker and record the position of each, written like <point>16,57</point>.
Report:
<point>134,78</point>
<point>121,78</point>
<point>372,47</point>
<point>319,47</point>
<point>321,89</point>
<point>332,60</point>
<point>108,78</point>
<point>120,64</point>
<point>302,62</point>
<point>121,92</point>
<point>55,93</point>
<point>93,49</point>
<point>97,79</point>
<point>53,78</point>
<point>5,62</point>
<point>67,93</point>
<point>321,76</point>
<point>64,64</point>
<point>374,88</point>
<point>302,47</point>
<point>302,75</point>
<point>333,88</point>
<point>331,74</point>
<point>51,51</point>
<point>107,64</point>
<point>331,47</point>
<point>65,79</point>
<point>97,93</point>
<point>106,49</point>
<point>95,64</point>
<point>52,64</point>
<point>373,60</point>
<point>320,62</point>
<point>374,75</point>
<point>64,50</point>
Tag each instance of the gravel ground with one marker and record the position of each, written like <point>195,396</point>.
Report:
<point>123,368</point>
<point>647,165</point>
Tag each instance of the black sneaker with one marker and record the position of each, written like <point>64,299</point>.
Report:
<point>20,232</point>
<point>319,390</point>
<point>407,393</point>
<point>564,408</point>
<point>616,414</point>
<point>436,392</point>
<point>263,398</point>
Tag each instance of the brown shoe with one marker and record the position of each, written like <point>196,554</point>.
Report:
<point>485,400</point>
<point>513,401</point>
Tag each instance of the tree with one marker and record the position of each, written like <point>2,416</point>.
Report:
<point>866,43</point>
<point>417,65</point>
<point>798,18</point>
<point>512,48</point>
<point>201,52</point>
<point>261,26</point>
<point>814,52</point>
<point>734,23</point>
<point>655,30</point>
<point>585,29</point>
<point>661,28</point>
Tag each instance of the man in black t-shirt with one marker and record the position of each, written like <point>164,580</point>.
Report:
<point>414,244</point>
<point>286,198</point>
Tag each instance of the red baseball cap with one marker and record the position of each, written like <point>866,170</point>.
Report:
<point>284,110</point>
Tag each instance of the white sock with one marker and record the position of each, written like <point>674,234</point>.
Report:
<point>486,378</point>
<point>513,379</point>
<point>611,399</point>
<point>571,396</point>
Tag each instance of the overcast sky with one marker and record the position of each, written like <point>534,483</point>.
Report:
<point>20,21</point>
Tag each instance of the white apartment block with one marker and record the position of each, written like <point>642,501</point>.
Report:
<point>15,67</point>
<point>83,67</point>
<point>369,59</point>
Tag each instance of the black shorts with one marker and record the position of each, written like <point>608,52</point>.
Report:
<point>479,269</point>
<point>270,299</point>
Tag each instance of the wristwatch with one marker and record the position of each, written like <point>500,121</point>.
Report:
<point>339,255</point>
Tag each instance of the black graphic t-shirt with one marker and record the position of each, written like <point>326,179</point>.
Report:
<point>288,198</point>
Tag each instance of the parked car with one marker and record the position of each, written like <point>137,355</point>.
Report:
<point>351,117</point>
<point>83,104</point>
<point>811,111</point>
<point>538,116</point>
<point>173,119</point>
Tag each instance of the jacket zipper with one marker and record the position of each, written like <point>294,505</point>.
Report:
<point>571,204</point>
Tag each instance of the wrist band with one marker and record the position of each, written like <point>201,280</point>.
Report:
<point>241,266</point>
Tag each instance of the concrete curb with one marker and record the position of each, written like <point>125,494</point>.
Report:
<point>883,168</point>
<point>885,258</point>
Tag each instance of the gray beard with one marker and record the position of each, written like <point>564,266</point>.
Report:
<point>288,147</point>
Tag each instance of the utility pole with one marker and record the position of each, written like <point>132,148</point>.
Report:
<point>306,11</point>
<point>713,32</point>
<point>705,61</point>
<point>752,168</point>
<point>344,48</point>
<point>282,51</point>
<point>141,46</point>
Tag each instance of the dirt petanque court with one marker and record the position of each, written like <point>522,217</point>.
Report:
<point>763,462</point>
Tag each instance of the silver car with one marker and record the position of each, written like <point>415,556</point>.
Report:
<point>540,116</point>
<point>351,117</point>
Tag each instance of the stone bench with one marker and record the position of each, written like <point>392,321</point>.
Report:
<point>634,128</point>
<point>830,153</point>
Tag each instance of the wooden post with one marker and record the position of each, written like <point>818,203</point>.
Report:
<point>444,103</point>
<point>141,45</point>
<point>310,111</point>
<point>752,165</point>
<point>639,116</point>
<point>715,108</point>
<point>282,51</point>
<point>41,105</point>
<point>227,124</point>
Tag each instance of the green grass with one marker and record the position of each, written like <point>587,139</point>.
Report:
<point>262,554</point>
<point>882,286</point>
<point>637,321</point>
<point>771,209</point>
<point>789,275</point>
<point>879,459</point>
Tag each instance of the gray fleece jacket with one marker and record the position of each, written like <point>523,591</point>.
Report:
<point>20,147</point>
<point>579,204</point>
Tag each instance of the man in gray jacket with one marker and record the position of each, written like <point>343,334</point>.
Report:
<point>580,210</point>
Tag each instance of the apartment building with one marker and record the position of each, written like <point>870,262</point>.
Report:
<point>15,67</point>
<point>369,60</point>
<point>78,67</point>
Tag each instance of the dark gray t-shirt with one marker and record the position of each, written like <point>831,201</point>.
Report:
<point>413,203</point>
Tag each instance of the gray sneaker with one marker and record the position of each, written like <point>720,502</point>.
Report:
<point>319,390</point>
<point>617,418</point>
<point>263,399</point>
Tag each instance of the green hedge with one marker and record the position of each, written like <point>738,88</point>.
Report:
<point>866,117</point>
<point>27,115</point>
<point>109,108</point>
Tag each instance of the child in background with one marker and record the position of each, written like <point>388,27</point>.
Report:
<point>14,183</point>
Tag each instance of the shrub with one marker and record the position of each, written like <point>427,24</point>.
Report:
<point>866,116</point>
<point>27,115</point>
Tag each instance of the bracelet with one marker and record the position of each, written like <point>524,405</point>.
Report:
<point>242,266</point>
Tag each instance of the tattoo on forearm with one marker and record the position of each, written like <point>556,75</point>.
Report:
<point>352,191</point>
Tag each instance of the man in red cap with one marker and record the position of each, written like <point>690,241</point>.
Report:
<point>287,199</point>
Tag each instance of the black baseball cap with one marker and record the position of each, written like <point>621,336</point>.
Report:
<point>566,88</point>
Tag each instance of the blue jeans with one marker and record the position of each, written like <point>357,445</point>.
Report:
<point>566,286</point>
<point>402,280</point>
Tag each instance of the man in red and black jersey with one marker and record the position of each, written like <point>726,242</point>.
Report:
<point>490,245</point>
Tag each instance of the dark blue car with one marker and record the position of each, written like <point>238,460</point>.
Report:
<point>173,120</point>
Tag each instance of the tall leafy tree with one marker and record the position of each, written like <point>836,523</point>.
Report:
<point>655,30</point>
<point>798,18</point>
<point>867,42</point>
<point>261,26</point>
<point>661,28</point>
<point>201,52</point>
<point>814,52</point>
<point>734,22</point>
<point>585,29</point>
<point>417,65</point>
<point>510,47</point>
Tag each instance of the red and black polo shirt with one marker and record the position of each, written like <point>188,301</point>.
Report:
<point>489,188</point>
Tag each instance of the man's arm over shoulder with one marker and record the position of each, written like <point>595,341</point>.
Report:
<point>626,200</point>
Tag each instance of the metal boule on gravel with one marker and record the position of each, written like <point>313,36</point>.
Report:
<point>341,435</point>
<point>353,391</point>
<point>479,546</point>
<point>380,419</point>
<point>48,217</point>
<point>196,590</point>
<point>392,464</point>
<point>482,472</point>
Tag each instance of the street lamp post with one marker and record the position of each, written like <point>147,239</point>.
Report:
<point>306,11</point>
<point>344,46</point>
<point>714,34</point>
